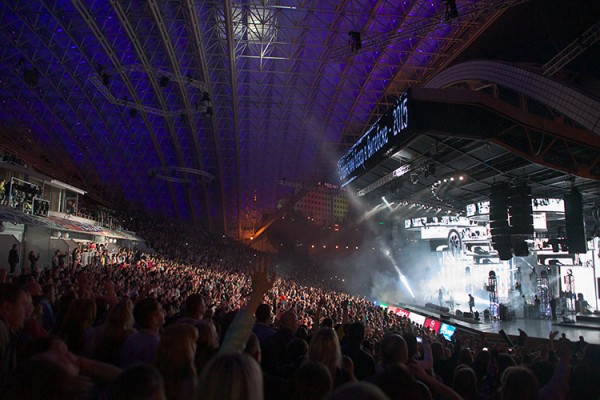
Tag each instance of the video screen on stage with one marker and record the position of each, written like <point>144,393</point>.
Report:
<point>447,331</point>
<point>433,324</point>
<point>401,312</point>
<point>416,318</point>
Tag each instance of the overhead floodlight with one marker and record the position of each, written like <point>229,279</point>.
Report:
<point>429,170</point>
<point>414,178</point>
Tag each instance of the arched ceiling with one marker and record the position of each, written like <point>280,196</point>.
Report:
<point>197,108</point>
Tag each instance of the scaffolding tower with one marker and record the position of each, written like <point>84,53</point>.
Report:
<point>569,281</point>
<point>543,293</point>
<point>492,288</point>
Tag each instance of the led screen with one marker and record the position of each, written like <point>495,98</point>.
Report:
<point>447,331</point>
<point>416,318</point>
<point>433,324</point>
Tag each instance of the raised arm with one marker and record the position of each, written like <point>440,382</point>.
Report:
<point>239,331</point>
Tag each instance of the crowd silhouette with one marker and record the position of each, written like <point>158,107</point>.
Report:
<point>204,317</point>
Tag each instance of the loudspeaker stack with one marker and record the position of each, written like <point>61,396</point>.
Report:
<point>499,227</point>
<point>574,224</point>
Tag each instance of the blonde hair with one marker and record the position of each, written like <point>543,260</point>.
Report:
<point>80,316</point>
<point>173,350</point>
<point>324,348</point>
<point>118,325</point>
<point>120,318</point>
<point>231,377</point>
<point>175,360</point>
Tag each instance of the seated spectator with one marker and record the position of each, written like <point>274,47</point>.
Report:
<point>55,349</point>
<point>207,344</point>
<point>398,383</point>
<point>324,348</point>
<point>465,382</point>
<point>364,364</point>
<point>358,391</point>
<point>41,378</point>
<point>32,329</point>
<point>274,347</point>
<point>175,360</point>
<point>348,366</point>
<point>518,383</point>
<point>75,330</point>
<point>239,376</point>
<point>312,381</point>
<point>117,328</point>
<point>584,382</point>
<point>262,327</point>
<point>253,348</point>
<point>194,309</point>
<point>393,350</point>
<point>141,346</point>
<point>13,312</point>
<point>138,382</point>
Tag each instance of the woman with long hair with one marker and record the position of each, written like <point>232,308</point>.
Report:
<point>118,326</point>
<point>324,348</point>
<point>75,328</point>
<point>175,361</point>
<point>235,376</point>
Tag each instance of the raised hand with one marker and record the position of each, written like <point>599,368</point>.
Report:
<point>261,281</point>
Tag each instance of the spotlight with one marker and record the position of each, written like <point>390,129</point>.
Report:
<point>396,187</point>
<point>460,178</point>
<point>414,178</point>
<point>355,41</point>
<point>429,170</point>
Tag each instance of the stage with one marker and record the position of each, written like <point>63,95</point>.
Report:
<point>587,326</point>
<point>537,328</point>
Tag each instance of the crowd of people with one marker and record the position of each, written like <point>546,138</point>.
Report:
<point>204,317</point>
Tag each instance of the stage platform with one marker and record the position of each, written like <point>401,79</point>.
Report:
<point>588,327</point>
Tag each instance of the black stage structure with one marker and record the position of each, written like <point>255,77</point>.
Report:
<point>431,163</point>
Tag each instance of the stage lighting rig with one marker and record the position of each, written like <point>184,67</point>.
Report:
<point>429,170</point>
<point>164,81</point>
<point>102,78</point>
<point>355,41</point>
<point>451,10</point>
<point>414,178</point>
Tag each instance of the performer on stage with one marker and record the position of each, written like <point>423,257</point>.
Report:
<point>553,307</point>
<point>471,303</point>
